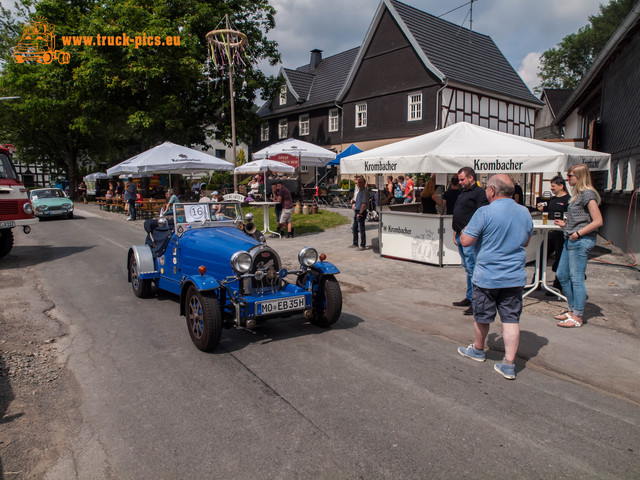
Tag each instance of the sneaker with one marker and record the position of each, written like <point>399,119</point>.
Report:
<point>363,248</point>
<point>130,219</point>
<point>507,371</point>
<point>468,311</point>
<point>462,303</point>
<point>353,246</point>
<point>472,352</point>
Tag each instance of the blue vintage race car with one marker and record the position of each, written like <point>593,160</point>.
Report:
<point>226,275</point>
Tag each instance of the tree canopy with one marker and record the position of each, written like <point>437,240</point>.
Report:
<point>111,100</point>
<point>566,64</point>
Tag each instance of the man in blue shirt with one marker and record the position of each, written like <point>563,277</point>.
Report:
<point>499,233</point>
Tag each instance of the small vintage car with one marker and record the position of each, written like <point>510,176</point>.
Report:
<point>51,202</point>
<point>226,275</point>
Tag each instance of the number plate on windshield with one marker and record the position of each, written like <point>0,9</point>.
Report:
<point>7,224</point>
<point>276,306</point>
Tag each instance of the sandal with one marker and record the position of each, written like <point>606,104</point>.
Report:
<point>570,323</point>
<point>563,316</point>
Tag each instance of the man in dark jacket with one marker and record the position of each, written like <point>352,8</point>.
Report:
<point>470,199</point>
<point>130,194</point>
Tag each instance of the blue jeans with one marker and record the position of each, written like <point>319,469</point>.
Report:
<point>468,263</point>
<point>571,269</point>
<point>132,208</point>
<point>358,225</point>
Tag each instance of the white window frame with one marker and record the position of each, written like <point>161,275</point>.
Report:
<point>283,128</point>
<point>303,124</point>
<point>334,120</point>
<point>283,95</point>
<point>304,168</point>
<point>361,115</point>
<point>264,132</point>
<point>414,106</point>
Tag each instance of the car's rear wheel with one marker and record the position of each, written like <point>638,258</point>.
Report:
<point>204,319</point>
<point>141,287</point>
<point>327,304</point>
<point>6,241</point>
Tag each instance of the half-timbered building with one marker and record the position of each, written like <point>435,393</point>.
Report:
<point>413,74</point>
<point>603,113</point>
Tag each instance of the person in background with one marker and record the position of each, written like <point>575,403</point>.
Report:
<point>254,186</point>
<point>398,189</point>
<point>500,232</point>
<point>360,203</point>
<point>130,195</point>
<point>109,196</point>
<point>557,206</point>
<point>388,191</point>
<point>428,197</point>
<point>278,206</point>
<point>82,191</point>
<point>119,189</point>
<point>518,194</point>
<point>139,199</point>
<point>580,230</point>
<point>450,196</point>
<point>168,207</point>
<point>204,198</point>
<point>409,192</point>
<point>470,199</point>
<point>284,198</point>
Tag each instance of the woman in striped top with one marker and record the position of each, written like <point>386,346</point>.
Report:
<point>580,229</point>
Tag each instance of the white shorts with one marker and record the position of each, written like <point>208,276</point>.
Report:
<point>285,216</point>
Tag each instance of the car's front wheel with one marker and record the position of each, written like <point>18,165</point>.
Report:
<point>204,319</point>
<point>327,303</point>
<point>141,287</point>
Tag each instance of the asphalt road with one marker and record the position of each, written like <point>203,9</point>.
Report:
<point>366,399</point>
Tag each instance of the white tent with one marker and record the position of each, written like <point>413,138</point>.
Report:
<point>307,153</point>
<point>170,158</point>
<point>258,166</point>
<point>464,144</point>
<point>92,177</point>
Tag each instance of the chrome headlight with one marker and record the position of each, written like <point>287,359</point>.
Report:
<point>241,262</point>
<point>308,256</point>
<point>28,209</point>
<point>68,206</point>
<point>248,218</point>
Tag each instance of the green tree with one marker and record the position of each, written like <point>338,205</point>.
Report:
<point>566,64</point>
<point>110,102</point>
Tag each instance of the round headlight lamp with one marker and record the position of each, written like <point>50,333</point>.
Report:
<point>248,218</point>
<point>241,262</point>
<point>28,209</point>
<point>308,256</point>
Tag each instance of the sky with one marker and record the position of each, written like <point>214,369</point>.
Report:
<point>522,29</point>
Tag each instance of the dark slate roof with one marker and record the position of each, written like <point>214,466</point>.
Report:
<point>462,55</point>
<point>556,98</point>
<point>319,86</point>
<point>300,82</point>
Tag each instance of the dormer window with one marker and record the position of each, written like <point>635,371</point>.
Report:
<point>283,95</point>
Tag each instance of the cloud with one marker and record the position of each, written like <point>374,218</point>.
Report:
<point>528,69</point>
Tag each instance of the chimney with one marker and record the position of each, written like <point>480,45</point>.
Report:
<point>316,58</point>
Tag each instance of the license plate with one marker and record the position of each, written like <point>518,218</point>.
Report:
<point>7,224</point>
<point>276,306</point>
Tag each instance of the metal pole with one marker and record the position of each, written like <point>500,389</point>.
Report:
<point>233,120</point>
